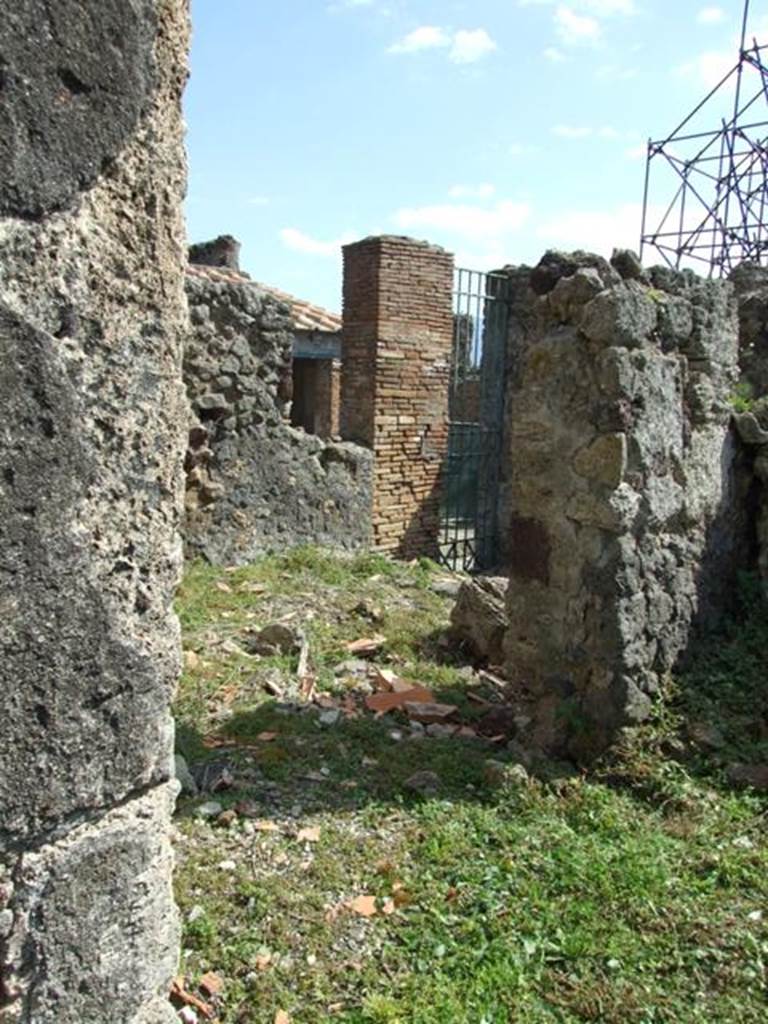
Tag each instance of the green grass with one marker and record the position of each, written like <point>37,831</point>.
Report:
<point>630,894</point>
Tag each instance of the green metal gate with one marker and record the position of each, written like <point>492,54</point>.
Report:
<point>471,471</point>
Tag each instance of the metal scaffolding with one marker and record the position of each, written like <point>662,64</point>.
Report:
<point>717,216</point>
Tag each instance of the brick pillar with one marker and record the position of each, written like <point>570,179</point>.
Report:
<point>396,349</point>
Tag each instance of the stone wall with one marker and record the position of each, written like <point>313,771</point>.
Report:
<point>626,503</point>
<point>92,318</point>
<point>751,401</point>
<point>254,483</point>
<point>396,350</point>
<point>750,283</point>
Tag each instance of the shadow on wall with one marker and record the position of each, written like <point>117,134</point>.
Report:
<point>420,535</point>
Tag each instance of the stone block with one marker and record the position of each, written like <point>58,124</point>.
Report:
<point>86,720</point>
<point>625,315</point>
<point>571,294</point>
<point>71,103</point>
<point>604,460</point>
<point>479,618</point>
<point>95,933</point>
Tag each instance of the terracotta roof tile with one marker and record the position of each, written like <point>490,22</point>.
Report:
<point>307,317</point>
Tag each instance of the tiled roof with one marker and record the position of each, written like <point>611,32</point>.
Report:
<point>307,317</point>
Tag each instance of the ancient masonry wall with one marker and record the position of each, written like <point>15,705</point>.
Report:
<point>92,318</point>
<point>254,483</point>
<point>751,400</point>
<point>625,504</point>
<point>396,347</point>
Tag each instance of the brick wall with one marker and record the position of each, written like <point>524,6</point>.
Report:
<point>396,348</point>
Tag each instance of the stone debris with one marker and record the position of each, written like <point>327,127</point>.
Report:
<point>501,773</point>
<point>479,617</point>
<point>446,586</point>
<point>276,638</point>
<point>184,776</point>
<point>210,809</point>
<point>499,721</point>
<point>754,775</point>
<point>366,646</point>
<point>425,783</point>
<point>352,667</point>
<point>441,731</point>
<point>213,776</point>
<point>427,712</point>
<point>367,609</point>
<point>705,735</point>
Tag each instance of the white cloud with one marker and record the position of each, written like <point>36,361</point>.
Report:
<point>553,54</point>
<point>597,231</point>
<point>258,200</point>
<point>587,131</point>
<point>483,191</point>
<point>599,8</point>
<point>346,5</point>
<point>481,236</point>
<point>427,37</point>
<point>604,8</point>
<point>708,68</point>
<point>465,220</point>
<point>638,152</point>
<point>470,45</point>
<point>710,16</point>
<point>464,46</point>
<point>571,131</point>
<point>298,241</point>
<point>575,29</point>
<point>615,73</point>
<point>522,149</point>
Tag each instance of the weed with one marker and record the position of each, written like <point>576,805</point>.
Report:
<point>742,398</point>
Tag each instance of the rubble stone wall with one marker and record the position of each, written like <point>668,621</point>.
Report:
<point>751,400</point>
<point>396,350</point>
<point>92,319</point>
<point>254,483</point>
<point>625,496</point>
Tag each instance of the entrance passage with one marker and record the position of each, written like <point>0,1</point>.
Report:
<point>470,478</point>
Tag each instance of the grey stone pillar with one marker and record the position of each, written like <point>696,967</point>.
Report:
<point>92,318</point>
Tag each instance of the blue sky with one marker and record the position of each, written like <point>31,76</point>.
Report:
<point>497,128</point>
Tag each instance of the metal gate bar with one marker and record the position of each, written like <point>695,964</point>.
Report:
<point>470,481</point>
